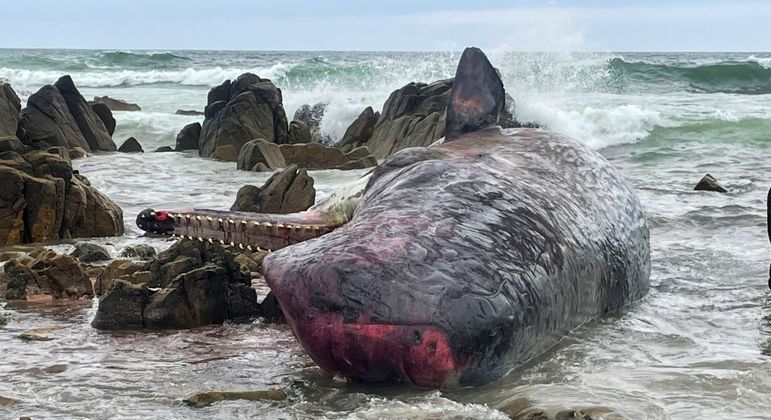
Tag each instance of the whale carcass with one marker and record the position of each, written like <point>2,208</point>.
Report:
<point>455,263</point>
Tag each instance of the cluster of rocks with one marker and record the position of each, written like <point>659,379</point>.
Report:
<point>45,273</point>
<point>288,191</point>
<point>189,285</point>
<point>58,116</point>
<point>245,122</point>
<point>412,116</point>
<point>43,199</point>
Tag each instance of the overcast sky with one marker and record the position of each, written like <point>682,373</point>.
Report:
<point>526,25</point>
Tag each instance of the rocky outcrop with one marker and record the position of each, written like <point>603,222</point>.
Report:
<point>316,156</point>
<point>12,144</point>
<point>10,106</point>
<point>116,104</point>
<point>288,191</point>
<point>57,115</point>
<point>163,149</point>
<point>414,116</point>
<point>299,133</point>
<point>360,131</point>
<point>88,252</point>
<point>709,183</point>
<point>188,112</point>
<point>189,285</point>
<point>187,139</point>
<point>260,155</point>
<point>312,116</point>
<point>41,199</point>
<point>411,116</point>
<point>131,145</point>
<point>90,124</point>
<point>239,111</point>
<point>104,114</point>
<point>46,273</point>
<point>140,252</point>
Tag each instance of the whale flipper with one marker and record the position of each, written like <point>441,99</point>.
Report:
<point>477,97</point>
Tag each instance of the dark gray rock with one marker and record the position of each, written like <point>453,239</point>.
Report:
<point>163,149</point>
<point>187,139</point>
<point>105,114</point>
<point>412,116</point>
<point>288,191</point>
<point>90,252</point>
<point>116,104</point>
<point>315,156</point>
<point>47,122</point>
<point>200,284</point>
<point>77,153</point>
<point>258,152</point>
<point>140,252</point>
<point>709,183</point>
<point>252,108</point>
<point>90,124</point>
<point>10,106</point>
<point>122,307</point>
<point>360,131</point>
<point>188,112</point>
<point>18,278</point>
<point>312,116</point>
<point>131,145</point>
<point>299,133</point>
<point>12,144</point>
<point>271,311</point>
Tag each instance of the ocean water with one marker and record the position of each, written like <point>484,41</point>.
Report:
<point>699,345</point>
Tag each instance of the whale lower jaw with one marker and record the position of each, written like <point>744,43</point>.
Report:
<point>417,354</point>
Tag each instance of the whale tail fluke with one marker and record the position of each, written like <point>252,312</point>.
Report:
<point>477,97</point>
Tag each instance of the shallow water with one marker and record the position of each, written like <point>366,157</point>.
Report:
<point>699,345</point>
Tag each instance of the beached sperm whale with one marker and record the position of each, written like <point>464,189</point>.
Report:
<point>459,261</point>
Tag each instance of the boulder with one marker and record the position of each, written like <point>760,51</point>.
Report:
<point>205,399</point>
<point>299,133</point>
<point>88,252</point>
<point>116,104</point>
<point>288,191</point>
<point>140,252</point>
<point>709,183</point>
<point>131,145</point>
<point>163,149</point>
<point>12,144</point>
<point>47,273</point>
<point>271,311</point>
<point>77,153</point>
<point>104,114</point>
<point>238,112</point>
<point>126,270</point>
<point>10,106</point>
<point>260,152</point>
<point>198,283</point>
<point>188,112</point>
<point>414,116</point>
<point>315,156</point>
<point>90,124</point>
<point>122,306</point>
<point>312,116</point>
<point>187,139</point>
<point>47,121</point>
<point>89,213</point>
<point>360,131</point>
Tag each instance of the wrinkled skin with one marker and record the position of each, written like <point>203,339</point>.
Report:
<point>466,259</point>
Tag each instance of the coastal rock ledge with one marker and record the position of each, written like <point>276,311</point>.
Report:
<point>43,199</point>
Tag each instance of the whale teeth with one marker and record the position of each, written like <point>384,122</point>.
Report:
<point>249,247</point>
<point>232,244</point>
<point>209,219</point>
<point>241,246</point>
<point>189,237</point>
<point>211,241</point>
<point>244,222</point>
<point>198,218</point>
<point>222,242</point>
<point>281,226</point>
<point>187,216</point>
<point>200,239</point>
<point>268,225</point>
